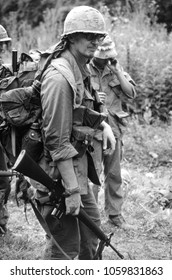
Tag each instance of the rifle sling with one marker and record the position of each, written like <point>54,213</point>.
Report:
<point>46,228</point>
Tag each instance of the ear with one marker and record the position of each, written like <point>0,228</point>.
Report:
<point>71,38</point>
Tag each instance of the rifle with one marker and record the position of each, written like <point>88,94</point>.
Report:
<point>28,167</point>
<point>14,62</point>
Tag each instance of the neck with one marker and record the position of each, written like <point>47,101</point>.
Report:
<point>82,60</point>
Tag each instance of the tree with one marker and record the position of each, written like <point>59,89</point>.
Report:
<point>165,13</point>
<point>31,11</point>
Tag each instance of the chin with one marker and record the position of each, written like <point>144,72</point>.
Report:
<point>89,55</point>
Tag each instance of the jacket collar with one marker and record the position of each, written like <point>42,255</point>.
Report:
<point>106,70</point>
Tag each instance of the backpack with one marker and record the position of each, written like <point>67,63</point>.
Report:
<point>21,106</point>
<point>8,83</point>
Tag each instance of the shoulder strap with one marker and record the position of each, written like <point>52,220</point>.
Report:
<point>59,48</point>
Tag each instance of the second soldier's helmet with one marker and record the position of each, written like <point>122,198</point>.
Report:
<point>3,35</point>
<point>84,19</point>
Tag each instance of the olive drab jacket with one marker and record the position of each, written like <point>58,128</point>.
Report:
<point>62,91</point>
<point>107,82</point>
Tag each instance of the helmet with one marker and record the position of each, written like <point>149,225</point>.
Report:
<point>106,49</point>
<point>3,35</point>
<point>84,19</point>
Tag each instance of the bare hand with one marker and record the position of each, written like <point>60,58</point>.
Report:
<point>73,203</point>
<point>108,136</point>
<point>114,66</point>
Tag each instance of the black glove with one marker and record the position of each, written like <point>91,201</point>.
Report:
<point>23,190</point>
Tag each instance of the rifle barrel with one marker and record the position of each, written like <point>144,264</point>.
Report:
<point>83,217</point>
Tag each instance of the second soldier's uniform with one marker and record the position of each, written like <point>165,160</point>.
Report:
<point>105,80</point>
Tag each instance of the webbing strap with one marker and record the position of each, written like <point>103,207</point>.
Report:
<point>46,228</point>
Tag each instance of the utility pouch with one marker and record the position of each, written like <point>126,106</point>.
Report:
<point>82,137</point>
<point>32,142</point>
<point>87,117</point>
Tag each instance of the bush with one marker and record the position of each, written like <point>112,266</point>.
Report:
<point>145,52</point>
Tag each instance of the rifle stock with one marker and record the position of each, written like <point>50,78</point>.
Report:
<point>28,167</point>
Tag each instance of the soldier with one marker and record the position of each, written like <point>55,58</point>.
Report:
<point>4,182</point>
<point>112,85</point>
<point>4,40</point>
<point>66,88</point>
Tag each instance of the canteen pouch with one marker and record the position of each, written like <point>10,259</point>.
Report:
<point>32,142</point>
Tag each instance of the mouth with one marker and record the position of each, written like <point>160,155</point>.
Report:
<point>92,49</point>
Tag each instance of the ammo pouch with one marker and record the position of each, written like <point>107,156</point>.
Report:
<point>82,137</point>
<point>32,142</point>
<point>87,117</point>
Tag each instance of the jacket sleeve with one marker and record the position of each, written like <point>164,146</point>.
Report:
<point>57,114</point>
<point>128,77</point>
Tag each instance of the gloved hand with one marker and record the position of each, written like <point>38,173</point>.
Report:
<point>24,190</point>
<point>73,203</point>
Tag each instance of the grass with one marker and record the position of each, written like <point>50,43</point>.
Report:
<point>147,163</point>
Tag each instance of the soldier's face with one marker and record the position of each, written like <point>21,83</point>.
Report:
<point>86,44</point>
<point>100,61</point>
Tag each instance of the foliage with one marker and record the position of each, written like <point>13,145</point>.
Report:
<point>31,11</point>
<point>144,49</point>
<point>143,45</point>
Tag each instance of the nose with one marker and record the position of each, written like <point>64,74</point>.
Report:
<point>95,42</point>
<point>2,49</point>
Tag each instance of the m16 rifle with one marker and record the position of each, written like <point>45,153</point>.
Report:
<point>28,167</point>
